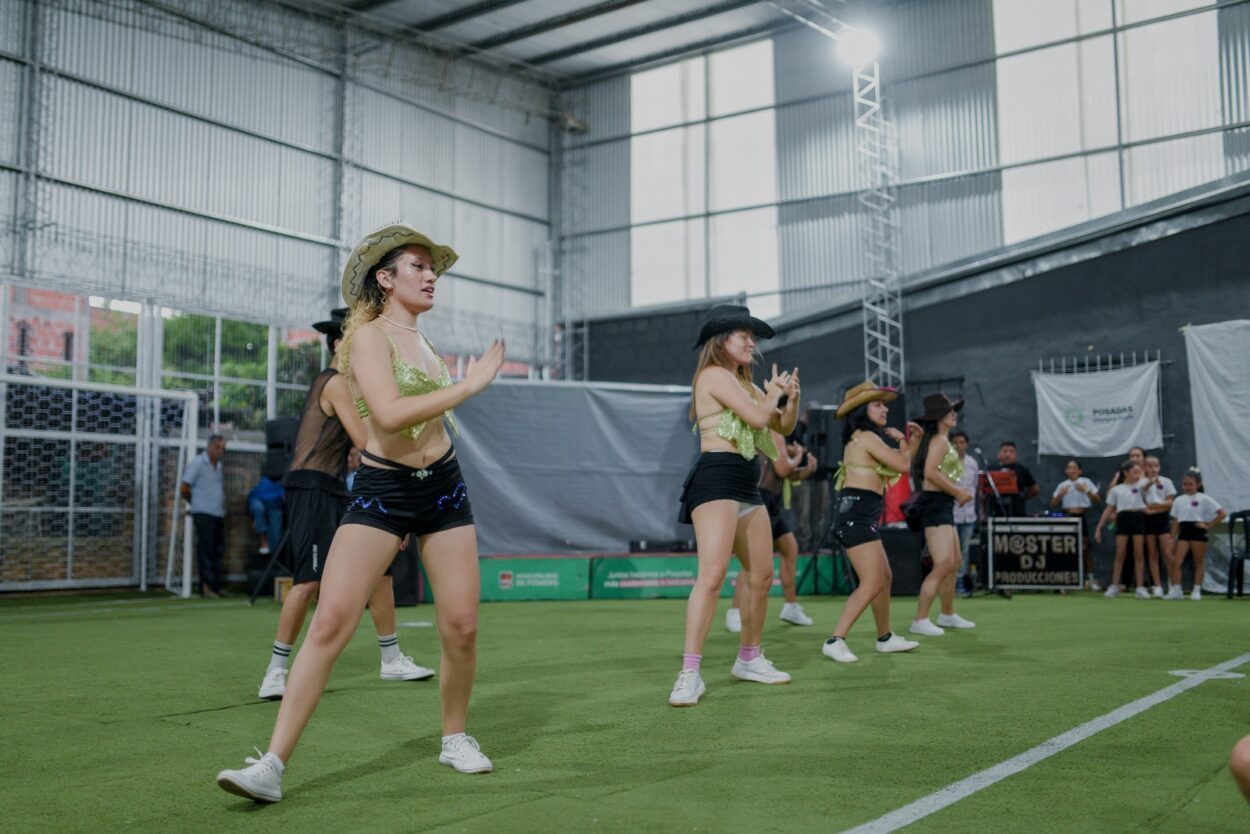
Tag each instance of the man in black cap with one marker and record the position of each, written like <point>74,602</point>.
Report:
<point>315,499</point>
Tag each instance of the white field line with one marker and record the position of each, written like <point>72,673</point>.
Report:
<point>956,791</point>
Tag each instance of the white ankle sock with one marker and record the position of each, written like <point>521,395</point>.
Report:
<point>273,759</point>
<point>450,737</point>
<point>389,644</point>
<point>280,657</point>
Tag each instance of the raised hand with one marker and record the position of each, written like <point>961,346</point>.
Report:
<point>792,385</point>
<point>482,370</point>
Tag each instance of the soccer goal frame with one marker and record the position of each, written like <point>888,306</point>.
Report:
<point>89,476</point>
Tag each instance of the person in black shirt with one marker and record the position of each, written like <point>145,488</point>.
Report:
<point>1013,504</point>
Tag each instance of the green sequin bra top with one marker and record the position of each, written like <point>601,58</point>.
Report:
<point>412,382</point>
<point>733,428</point>
<point>889,476</point>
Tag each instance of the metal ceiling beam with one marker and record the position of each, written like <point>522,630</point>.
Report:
<point>552,23</point>
<point>685,49</point>
<point>639,31</point>
<point>371,6</point>
<point>467,13</point>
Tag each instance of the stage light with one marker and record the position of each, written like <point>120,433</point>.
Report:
<point>857,47</point>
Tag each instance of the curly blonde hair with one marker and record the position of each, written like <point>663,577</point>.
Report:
<point>368,305</point>
<point>713,353</point>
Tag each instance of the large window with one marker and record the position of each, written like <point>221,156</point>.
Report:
<point>703,180</point>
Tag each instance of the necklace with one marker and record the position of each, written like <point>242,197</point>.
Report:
<point>397,324</point>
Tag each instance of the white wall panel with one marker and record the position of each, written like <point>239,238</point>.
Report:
<point>1054,195</point>
<point>10,107</point>
<point>1170,77</point>
<point>9,183</point>
<point>597,187</point>
<point>946,122</point>
<point>203,72</point>
<point>12,31</point>
<point>818,244</point>
<point>604,261</point>
<point>816,148</point>
<point>603,106</point>
<point>1162,168</point>
<point>948,220</point>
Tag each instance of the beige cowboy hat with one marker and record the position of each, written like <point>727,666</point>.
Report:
<point>863,393</point>
<point>373,246</point>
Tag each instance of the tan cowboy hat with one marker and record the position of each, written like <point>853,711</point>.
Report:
<point>373,246</point>
<point>863,393</point>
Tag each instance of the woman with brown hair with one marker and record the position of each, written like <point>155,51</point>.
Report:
<point>720,496</point>
<point>409,484</point>
<point>874,456</point>
<point>938,468</point>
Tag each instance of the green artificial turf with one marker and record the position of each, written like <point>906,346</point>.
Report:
<point>118,712</point>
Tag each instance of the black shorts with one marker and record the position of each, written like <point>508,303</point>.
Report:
<point>404,500</point>
<point>859,516</point>
<point>719,476</point>
<point>1157,524</point>
<point>935,509</point>
<point>315,503</point>
<point>1190,532</point>
<point>1130,523</point>
<point>778,515</point>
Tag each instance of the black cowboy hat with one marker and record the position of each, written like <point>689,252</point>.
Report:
<point>937,406</point>
<point>333,327</point>
<point>726,318</point>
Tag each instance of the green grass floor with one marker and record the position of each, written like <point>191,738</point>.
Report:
<point>118,712</point>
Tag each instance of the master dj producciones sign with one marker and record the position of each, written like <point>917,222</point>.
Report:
<point>1035,553</point>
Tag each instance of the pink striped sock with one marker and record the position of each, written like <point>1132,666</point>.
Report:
<point>691,661</point>
<point>748,653</point>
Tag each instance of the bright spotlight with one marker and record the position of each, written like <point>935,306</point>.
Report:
<point>857,47</point>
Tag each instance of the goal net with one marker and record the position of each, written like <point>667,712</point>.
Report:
<point>88,485</point>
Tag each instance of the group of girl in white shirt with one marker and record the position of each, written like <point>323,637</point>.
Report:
<point>1149,516</point>
<point>1153,518</point>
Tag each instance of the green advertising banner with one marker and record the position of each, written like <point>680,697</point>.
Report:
<point>520,579</point>
<point>667,577</point>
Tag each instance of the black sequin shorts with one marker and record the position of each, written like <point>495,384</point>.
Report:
<point>404,500</point>
<point>935,508</point>
<point>859,514</point>
<point>719,476</point>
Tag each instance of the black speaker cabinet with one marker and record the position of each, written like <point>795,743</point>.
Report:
<point>279,445</point>
<point>902,550</point>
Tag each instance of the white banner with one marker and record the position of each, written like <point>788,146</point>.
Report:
<point>1098,414</point>
<point>1219,389</point>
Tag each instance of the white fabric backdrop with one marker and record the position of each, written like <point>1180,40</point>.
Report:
<point>1219,387</point>
<point>1098,414</point>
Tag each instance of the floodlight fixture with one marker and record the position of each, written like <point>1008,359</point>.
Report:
<point>857,47</point>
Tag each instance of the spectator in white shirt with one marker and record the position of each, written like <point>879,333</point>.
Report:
<point>1075,497</point>
<point>965,514</point>
<point>1158,493</point>
<point>1193,514</point>
<point>1126,505</point>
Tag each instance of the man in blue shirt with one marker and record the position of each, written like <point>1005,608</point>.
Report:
<point>202,489</point>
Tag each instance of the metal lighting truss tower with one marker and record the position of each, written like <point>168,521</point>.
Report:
<point>876,151</point>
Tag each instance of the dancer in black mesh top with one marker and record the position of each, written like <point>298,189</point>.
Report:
<point>316,496</point>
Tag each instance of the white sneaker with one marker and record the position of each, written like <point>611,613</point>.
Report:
<point>1174,592</point>
<point>403,668</point>
<point>688,689</point>
<point>1156,591</point>
<point>733,621</point>
<point>792,613</point>
<point>1093,584</point>
<point>273,687</point>
<point>1142,593</point>
<point>954,621</point>
<point>839,651</point>
<point>1113,591</point>
<point>462,752</point>
<point>760,670</point>
<point>1195,594</point>
<point>896,644</point>
<point>926,628</point>
<point>261,780</point>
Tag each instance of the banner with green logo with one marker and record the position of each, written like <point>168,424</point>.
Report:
<point>520,579</point>
<point>668,577</point>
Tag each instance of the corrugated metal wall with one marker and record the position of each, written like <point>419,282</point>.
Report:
<point>181,165</point>
<point>993,150</point>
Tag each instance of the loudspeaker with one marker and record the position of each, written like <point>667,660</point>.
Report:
<point>902,551</point>
<point>279,445</point>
